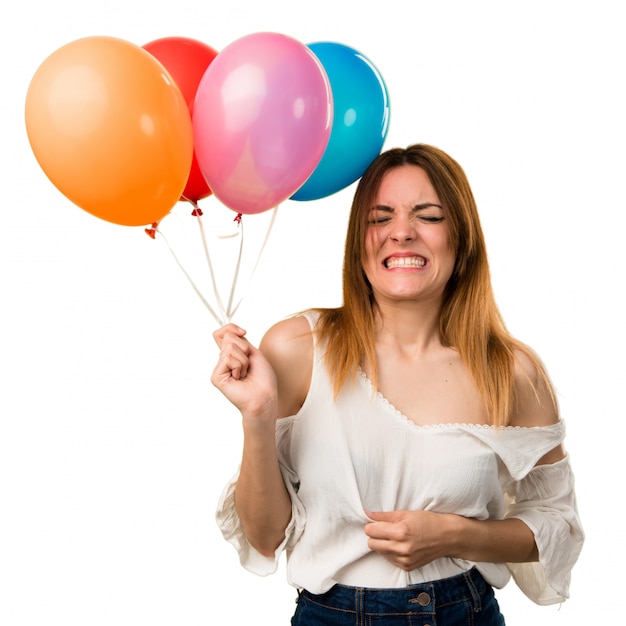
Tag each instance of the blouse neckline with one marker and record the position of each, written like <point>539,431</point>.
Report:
<point>439,425</point>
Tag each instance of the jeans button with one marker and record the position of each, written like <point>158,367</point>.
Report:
<point>423,599</point>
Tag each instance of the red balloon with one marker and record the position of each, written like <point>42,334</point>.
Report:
<point>186,60</point>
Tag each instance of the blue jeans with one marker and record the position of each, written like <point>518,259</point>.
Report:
<point>463,600</point>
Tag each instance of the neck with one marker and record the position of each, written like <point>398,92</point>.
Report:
<point>410,327</point>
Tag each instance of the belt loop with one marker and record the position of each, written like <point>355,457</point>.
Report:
<point>472,587</point>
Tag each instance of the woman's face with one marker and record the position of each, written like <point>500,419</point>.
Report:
<point>408,251</point>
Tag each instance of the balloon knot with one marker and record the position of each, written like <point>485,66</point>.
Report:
<point>238,218</point>
<point>197,212</point>
<point>151,232</point>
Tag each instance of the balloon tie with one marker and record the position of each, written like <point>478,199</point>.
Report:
<point>151,232</point>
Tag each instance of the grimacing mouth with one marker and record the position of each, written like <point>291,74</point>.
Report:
<point>404,261</point>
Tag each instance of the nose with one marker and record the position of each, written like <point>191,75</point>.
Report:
<point>402,230</point>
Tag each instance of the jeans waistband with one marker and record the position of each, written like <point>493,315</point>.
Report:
<point>419,597</point>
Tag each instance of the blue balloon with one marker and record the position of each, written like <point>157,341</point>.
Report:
<point>360,120</point>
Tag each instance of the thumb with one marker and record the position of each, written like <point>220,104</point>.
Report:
<point>384,516</point>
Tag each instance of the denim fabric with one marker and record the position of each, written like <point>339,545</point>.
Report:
<point>463,600</point>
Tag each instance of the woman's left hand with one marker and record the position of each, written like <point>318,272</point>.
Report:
<point>408,539</point>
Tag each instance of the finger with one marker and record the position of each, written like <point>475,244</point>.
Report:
<point>379,530</point>
<point>229,328</point>
<point>382,546</point>
<point>224,373</point>
<point>233,362</point>
<point>385,516</point>
<point>392,530</point>
<point>235,355</point>
<point>399,551</point>
<point>232,343</point>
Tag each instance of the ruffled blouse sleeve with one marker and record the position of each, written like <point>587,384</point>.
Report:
<point>542,496</point>
<point>545,500</point>
<point>229,523</point>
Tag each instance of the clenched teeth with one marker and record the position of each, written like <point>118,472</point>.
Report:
<point>405,261</point>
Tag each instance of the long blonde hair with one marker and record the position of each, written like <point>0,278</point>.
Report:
<point>470,321</point>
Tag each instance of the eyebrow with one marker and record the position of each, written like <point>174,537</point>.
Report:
<point>417,207</point>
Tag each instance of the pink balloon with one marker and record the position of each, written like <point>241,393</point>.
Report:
<point>262,119</point>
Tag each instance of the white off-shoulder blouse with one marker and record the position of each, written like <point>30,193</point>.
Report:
<point>340,458</point>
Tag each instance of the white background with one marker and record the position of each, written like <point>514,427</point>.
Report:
<point>114,446</point>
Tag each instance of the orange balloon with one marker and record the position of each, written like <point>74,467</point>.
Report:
<point>111,129</point>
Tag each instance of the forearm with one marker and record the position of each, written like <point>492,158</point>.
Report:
<point>497,541</point>
<point>261,498</point>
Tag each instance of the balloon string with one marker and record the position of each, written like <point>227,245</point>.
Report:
<point>197,212</point>
<point>231,311</point>
<point>233,286</point>
<point>220,321</point>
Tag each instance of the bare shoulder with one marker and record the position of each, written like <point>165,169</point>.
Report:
<point>288,346</point>
<point>535,402</point>
<point>288,339</point>
<point>535,398</point>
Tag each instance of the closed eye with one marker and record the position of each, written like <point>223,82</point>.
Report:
<point>377,221</point>
<point>431,219</point>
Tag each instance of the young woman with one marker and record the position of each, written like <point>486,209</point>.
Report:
<point>403,449</point>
